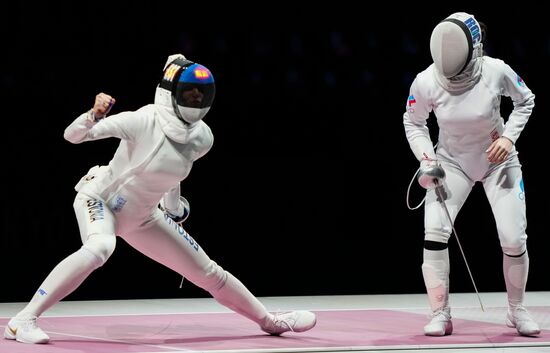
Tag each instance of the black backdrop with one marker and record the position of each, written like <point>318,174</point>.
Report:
<point>304,190</point>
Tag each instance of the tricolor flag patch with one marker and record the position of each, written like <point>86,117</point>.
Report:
<point>411,100</point>
<point>520,81</point>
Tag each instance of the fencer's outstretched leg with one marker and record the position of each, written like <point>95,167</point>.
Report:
<point>516,269</point>
<point>169,244</point>
<point>234,295</point>
<point>61,281</point>
<point>435,270</point>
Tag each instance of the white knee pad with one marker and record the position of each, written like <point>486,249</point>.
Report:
<point>101,245</point>
<point>514,248</point>
<point>438,236</point>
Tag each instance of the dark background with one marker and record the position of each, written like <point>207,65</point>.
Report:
<point>304,190</point>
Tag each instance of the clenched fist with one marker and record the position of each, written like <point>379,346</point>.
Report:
<point>102,106</point>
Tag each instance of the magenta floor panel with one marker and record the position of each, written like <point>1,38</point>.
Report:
<point>337,330</point>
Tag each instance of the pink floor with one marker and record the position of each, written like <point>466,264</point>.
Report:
<point>342,330</point>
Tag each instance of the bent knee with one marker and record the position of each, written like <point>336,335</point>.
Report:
<point>514,250</point>
<point>101,245</point>
<point>514,246</point>
<point>212,278</point>
<point>440,236</point>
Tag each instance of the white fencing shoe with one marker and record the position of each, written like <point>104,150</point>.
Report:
<point>24,329</point>
<point>295,321</point>
<point>523,322</point>
<point>440,324</point>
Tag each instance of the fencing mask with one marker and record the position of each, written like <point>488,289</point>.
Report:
<point>192,89</point>
<point>455,41</point>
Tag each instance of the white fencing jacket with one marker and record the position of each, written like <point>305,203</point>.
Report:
<point>155,154</point>
<point>468,120</point>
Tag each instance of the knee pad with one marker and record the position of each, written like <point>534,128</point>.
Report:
<point>515,248</point>
<point>101,245</point>
<point>436,236</point>
<point>213,278</point>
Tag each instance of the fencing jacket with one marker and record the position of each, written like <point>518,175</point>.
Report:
<point>155,154</point>
<point>469,120</point>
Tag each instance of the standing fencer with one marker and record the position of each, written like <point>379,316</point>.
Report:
<point>159,143</point>
<point>463,88</point>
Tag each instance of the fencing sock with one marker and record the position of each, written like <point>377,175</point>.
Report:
<point>435,270</point>
<point>516,269</point>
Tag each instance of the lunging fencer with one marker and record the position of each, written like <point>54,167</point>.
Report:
<point>137,197</point>
<point>463,88</point>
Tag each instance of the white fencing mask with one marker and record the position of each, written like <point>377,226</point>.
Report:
<point>454,43</point>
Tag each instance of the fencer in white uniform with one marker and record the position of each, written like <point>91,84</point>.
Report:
<point>463,88</point>
<point>158,145</point>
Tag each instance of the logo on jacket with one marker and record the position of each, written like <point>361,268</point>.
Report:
<point>520,81</point>
<point>410,103</point>
<point>411,100</point>
<point>521,194</point>
<point>118,203</point>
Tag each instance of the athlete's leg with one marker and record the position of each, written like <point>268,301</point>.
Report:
<point>169,244</point>
<point>97,231</point>
<point>506,194</point>
<point>435,267</point>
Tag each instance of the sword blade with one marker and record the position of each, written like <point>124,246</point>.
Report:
<point>440,198</point>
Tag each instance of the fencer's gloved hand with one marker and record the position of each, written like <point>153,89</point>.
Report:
<point>430,174</point>
<point>180,215</point>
